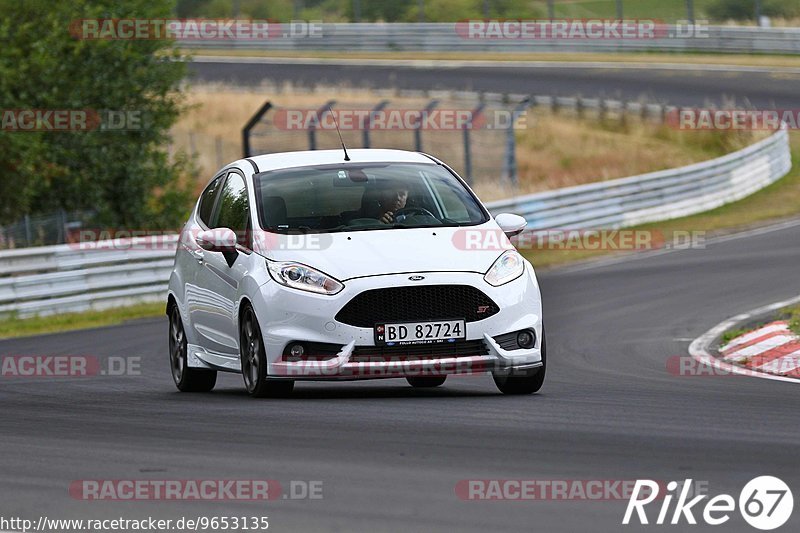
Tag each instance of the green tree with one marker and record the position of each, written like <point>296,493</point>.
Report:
<point>125,176</point>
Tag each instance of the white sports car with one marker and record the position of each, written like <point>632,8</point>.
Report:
<point>318,266</point>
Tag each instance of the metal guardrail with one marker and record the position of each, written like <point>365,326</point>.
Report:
<point>449,37</point>
<point>658,195</point>
<point>71,277</point>
<point>64,278</point>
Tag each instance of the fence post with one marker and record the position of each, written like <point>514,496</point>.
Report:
<point>467,148</point>
<point>255,119</point>
<point>418,130</point>
<point>511,142</point>
<point>368,126</point>
<point>312,129</point>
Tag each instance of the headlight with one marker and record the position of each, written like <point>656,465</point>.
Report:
<point>508,267</point>
<point>305,278</point>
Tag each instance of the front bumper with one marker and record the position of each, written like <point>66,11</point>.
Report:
<point>288,315</point>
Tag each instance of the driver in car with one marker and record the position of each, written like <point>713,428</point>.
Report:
<point>390,199</point>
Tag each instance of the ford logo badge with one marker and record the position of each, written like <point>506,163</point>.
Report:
<point>416,278</point>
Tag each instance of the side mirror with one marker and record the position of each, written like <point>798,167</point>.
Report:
<point>510,224</point>
<point>217,240</point>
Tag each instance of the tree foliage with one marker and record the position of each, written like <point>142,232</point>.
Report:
<point>125,176</point>
<point>746,9</point>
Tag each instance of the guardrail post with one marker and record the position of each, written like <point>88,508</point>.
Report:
<point>312,129</point>
<point>418,130</point>
<point>368,126</point>
<point>255,119</point>
<point>467,147</point>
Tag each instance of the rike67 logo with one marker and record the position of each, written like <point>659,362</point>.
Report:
<point>765,503</point>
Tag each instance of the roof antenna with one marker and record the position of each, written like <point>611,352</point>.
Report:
<point>346,157</point>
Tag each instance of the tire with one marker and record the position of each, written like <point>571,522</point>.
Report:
<point>254,361</point>
<point>426,382</point>
<point>185,378</point>
<point>527,384</point>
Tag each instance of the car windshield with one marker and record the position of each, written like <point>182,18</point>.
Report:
<point>375,196</point>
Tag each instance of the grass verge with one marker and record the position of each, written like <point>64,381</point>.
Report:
<point>729,335</point>
<point>23,327</point>
<point>792,314</point>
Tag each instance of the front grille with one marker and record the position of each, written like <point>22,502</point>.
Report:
<point>409,304</point>
<point>419,351</point>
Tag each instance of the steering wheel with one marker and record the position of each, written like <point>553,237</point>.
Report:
<point>414,210</point>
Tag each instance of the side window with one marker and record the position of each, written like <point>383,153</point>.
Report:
<point>452,202</point>
<point>207,200</point>
<point>234,209</point>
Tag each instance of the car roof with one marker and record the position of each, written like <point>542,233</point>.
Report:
<point>283,160</point>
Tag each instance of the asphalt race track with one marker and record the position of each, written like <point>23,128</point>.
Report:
<point>390,456</point>
<point>695,87</point>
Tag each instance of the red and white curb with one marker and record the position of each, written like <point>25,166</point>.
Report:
<point>773,349</point>
<point>771,352</point>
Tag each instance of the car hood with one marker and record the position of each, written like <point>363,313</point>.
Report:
<point>356,254</point>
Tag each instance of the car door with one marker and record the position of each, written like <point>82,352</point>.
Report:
<point>191,257</point>
<point>217,281</point>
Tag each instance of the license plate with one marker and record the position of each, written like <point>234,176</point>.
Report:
<point>421,332</point>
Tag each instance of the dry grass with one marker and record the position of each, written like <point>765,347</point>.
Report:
<point>553,150</point>
<point>561,151</point>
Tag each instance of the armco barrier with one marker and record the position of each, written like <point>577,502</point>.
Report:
<point>448,37</point>
<point>64,278</point>
<point>657,195</point>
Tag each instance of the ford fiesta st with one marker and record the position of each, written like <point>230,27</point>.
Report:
<point>318,266</point>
